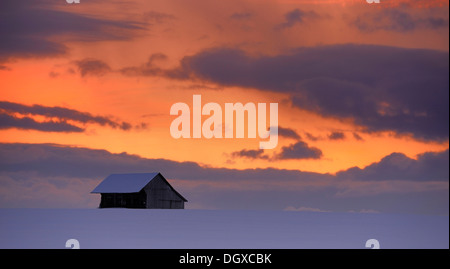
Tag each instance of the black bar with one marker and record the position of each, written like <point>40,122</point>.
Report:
<point>231,258</point>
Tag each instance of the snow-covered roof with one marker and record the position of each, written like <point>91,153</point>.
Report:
<point>124,183</point>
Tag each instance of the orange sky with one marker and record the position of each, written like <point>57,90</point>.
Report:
<point>184,28</point>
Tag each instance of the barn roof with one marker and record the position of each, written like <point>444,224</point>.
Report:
<point>128,183</point>
<point>124,183</point>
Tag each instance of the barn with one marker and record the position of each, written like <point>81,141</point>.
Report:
<point>138,190</point>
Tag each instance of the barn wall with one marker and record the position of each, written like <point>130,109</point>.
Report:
<point>160,195</point>
<point>127,200</point>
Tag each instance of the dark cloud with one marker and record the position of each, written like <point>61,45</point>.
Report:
<point>23,165</point>
<point>312,137</point>
<point>296,16</point>
<point>250,153</point>
<point>299,150</point>
<point>149,68</point>
<point>9,119</point>
<point>336,136</point>
<point>381,88</point>
<point>397,20</point>
<point>28,29</point>
<point>357,137</point>
<point>92,67</point>
<point>59,160</point>
<point>288,133</point>
<point>430,166</point>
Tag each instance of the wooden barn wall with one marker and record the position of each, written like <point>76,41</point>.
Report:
<point>160,195</point>
<point>128,200</point>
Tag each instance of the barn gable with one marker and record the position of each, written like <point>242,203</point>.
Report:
<point>138,190</point>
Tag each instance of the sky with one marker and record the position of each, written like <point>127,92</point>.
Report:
<point>362,90</point>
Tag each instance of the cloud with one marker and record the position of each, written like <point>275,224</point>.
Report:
<point>336,136</point>
<point>32,27</point>
<point>250,153</point>
<point>296,16</point>
<point>60,160</point>
<point>92,67</point>
<point>357,137</point>
<point>299,150</point>
<point>9,121</point>
<point>33,175</point>
<point>57,118</point>
<point>312,137</point>
<point>380,88</point>
<point>398,20</point>
<point>288,133</point>
<point>430,166</point>
<point>149,68</point>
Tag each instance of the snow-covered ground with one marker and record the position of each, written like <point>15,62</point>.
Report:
<point>141,228</point>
